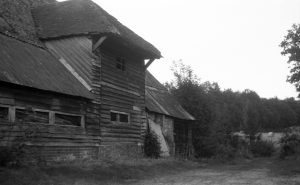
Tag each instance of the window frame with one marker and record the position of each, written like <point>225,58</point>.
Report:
<point>118,117</point>
<point>51,114</point>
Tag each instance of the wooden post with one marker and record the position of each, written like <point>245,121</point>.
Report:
<point>82,121</point>
<point>11,114</point>
<point>149,63</point>
<point>51,117</point>
<point>163,121</point>
<point>190,141</point>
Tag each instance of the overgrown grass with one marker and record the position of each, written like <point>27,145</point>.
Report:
<point>288,167</point>
<point>93,172</point>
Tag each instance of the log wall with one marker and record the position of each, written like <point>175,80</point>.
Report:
<point>122,91</point>
<point>52,141</point>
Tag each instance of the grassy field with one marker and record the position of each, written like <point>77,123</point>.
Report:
<point>161,171</point>
<point>93,172</point>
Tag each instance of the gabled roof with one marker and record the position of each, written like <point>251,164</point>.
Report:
<point>81,17</point>
<point>27,65</point>
<point>159,100</point>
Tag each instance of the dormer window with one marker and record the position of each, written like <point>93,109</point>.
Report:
<point>120,64</point>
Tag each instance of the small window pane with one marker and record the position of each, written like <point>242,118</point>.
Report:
<point>41,117</point>
<point>25,115</point>
<point>113,116</point>
<point>124,118</point>
<point>120,64</point>
<point>4,113</point>
<point>63,119</point>
<point>22,115</point>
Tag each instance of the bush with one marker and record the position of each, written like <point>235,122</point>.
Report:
<point>204,146</point>
<point>262,148</point>
<point>225,152</point>
<point>11,155</point>
<point>290,145</point>
<point>151,145</point>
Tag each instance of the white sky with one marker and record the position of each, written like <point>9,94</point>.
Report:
<point>232,42</point>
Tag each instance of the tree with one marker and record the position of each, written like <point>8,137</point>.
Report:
<point>291,47</point>
<point>219,113</point>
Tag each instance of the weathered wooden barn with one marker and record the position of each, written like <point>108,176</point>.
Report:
<point>77,90</point>
<point>166,114</point>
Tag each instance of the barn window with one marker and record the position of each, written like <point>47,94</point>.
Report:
<point>30,115</point>
<point>66,119</point>
<point>119,117</point>
<point>120,64</point>
<point>4,113</point>
<point>113,116</point>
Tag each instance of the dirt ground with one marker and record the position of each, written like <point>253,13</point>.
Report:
<point>252,172</point>
<point>262,171</point>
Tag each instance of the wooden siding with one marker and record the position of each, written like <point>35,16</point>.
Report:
<point>59,137</point>
<point>113,89</point>
<point>122,91</point>
<point>183,138</point>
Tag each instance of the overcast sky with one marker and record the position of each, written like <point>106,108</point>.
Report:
<point>232,42</point>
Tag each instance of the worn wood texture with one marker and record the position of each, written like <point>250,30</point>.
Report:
<point>37,134</point>
<point>122,91</point>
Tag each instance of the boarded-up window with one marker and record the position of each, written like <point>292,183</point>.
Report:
<point>64,119</point>
<point>3,113</point>
<point>119,117</point>
<point>26,115</point>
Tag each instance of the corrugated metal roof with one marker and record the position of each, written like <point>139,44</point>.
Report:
<point>28,65</point>
<point>77,51</point>
<point>79,17</point>
<point>159,100</point>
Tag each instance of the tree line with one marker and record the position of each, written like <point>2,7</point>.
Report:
<point>219,113</point>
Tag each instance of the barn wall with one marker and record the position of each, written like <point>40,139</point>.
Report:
<point>183,138</point>
<point>122,91</point>
<point>51,142</point>
<point>168,132</point>
<point>177,133</point>
<point>167,128</point>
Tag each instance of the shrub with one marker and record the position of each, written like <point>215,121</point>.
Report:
<point>262,148</point>
<point>290,145</point>
<point>11,155</point>
<point>152,146</point>
<point>225,152</point>
<point>204,146</point>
